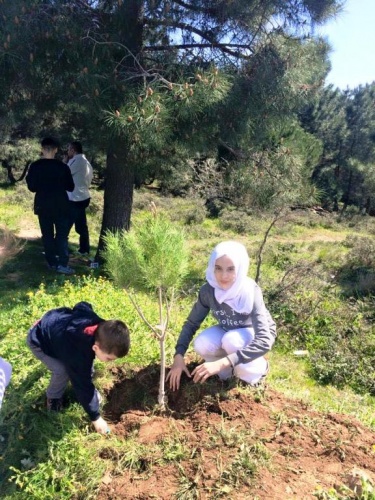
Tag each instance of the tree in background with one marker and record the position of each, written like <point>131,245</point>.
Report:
<point>15,157</point>
<point>344,122</point>
<point>148,80</point>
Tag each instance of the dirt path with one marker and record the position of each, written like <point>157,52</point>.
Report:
<point>29,230</point>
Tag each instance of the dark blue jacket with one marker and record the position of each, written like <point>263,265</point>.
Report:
<point>61,334</point>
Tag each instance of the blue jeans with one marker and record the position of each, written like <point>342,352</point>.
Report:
<point>55,230</point>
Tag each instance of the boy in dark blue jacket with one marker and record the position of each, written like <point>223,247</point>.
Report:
<point>67,340</point>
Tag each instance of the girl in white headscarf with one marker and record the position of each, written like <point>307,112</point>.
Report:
<point>245,329</point>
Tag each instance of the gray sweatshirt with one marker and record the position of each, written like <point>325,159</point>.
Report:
<point>259,319</point>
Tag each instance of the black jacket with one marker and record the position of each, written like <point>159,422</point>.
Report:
<point>60,333</point>
<point>50,179</point>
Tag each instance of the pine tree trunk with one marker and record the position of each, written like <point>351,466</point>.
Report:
<point>118,194</point>
<point>119,184</point>
<point>347,194</point>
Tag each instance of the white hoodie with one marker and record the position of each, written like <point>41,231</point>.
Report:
<point>81,170</point>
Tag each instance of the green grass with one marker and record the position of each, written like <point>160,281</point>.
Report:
<point>46,456</point>
<point>289,375</point>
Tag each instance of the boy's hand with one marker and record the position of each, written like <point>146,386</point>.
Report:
<point>174,375</point>
<point>101,426</point>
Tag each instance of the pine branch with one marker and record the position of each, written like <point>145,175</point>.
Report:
<point>203,34</point>
<point>208,11</point>
<point>142,316</point>
<point>220,46</point>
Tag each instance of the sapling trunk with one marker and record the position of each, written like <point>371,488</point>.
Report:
<point>161,399</point>
<point>160,332</point>
<point>163,331</point>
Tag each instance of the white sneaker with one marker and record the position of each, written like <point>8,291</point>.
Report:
<point>261,380</point>
<point>64,269</point>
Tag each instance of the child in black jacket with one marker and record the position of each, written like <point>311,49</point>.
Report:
<point>67,340</point>
<point>50,179</point>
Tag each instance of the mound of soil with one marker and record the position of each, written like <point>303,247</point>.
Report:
<point>237,442</point>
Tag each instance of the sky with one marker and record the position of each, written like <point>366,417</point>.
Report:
<point>352,37</point>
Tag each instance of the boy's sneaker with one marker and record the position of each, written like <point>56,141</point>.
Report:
<point>54,404</point>
<point>64,269</point>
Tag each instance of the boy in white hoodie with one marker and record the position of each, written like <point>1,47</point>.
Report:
<point>82,173</point>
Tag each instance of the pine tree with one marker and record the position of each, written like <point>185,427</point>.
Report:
<point>344,122</point>
<point>151,256</point>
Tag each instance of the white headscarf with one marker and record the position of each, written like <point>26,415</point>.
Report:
<point>240,296</point>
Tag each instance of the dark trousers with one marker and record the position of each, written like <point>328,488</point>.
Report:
<point>55,230</point>
<point>78,211</point>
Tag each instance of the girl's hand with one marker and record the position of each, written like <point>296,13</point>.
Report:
<point>202,372</point>
<point>174,375</point>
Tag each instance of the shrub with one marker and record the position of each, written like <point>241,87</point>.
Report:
<point>281,255</point>
<point>142,199</point>
<point>191,211</point>
<point>347,362</point>
<point>20,195</point>
<point>237,221</point>
<point>362,253</point>
<point>333,364</point>
<point>357,275</point>
<point>96,202</point>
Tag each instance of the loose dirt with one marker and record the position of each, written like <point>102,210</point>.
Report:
<point>237,442</point>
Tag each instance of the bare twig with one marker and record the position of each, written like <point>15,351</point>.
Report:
<point>279,215</point>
